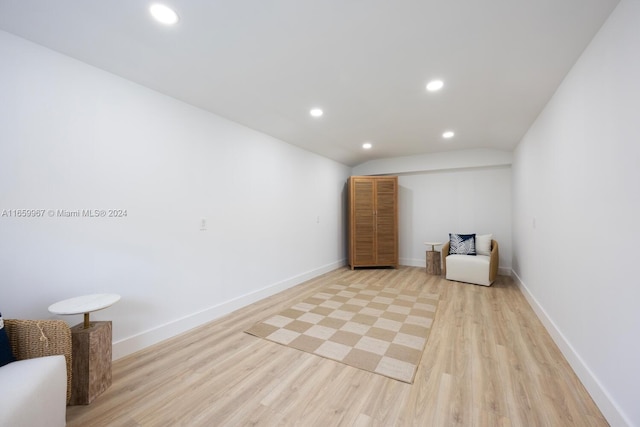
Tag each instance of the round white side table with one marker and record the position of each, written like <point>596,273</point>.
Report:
<point>84,305</point>
<point>91,346</point>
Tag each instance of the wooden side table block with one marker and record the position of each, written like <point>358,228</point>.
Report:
<point>91,361</point>
<point>433,263</point>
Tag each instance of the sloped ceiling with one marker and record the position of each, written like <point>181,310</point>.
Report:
<point>265,64</point>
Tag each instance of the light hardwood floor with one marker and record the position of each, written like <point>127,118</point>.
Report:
<point>488,362</point>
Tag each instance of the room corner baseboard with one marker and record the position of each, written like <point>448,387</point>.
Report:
<point>608,407</point>
<point>175,327</point>
<point>504,271</point>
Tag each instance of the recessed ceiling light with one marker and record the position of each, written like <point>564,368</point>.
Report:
<point>316,112</point>
<point>367,145</point>
<point>448,134</point>
<point>163,14</point>
<point>435,85</point>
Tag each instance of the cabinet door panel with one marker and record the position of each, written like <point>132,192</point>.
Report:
<point>386,222</point>
<point>363,244</point>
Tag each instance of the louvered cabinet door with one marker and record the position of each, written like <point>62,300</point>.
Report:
<point>362,241</point>
<point>386,221</point>
<point>373,221</point>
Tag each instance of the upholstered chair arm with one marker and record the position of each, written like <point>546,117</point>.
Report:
<point>494,261</point>
<point>443,256</point>
<point>38,338</point>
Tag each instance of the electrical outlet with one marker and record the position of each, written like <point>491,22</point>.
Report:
<point>203,224</point>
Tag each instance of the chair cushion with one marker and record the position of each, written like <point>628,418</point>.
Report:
<point>35,392</point>
<point>463,268</point>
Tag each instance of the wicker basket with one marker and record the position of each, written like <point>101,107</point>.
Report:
<point>38,338</point>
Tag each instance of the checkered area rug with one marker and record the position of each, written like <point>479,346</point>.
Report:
<point>381,330</point>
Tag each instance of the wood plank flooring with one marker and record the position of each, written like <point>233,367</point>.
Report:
<point>488,362</point>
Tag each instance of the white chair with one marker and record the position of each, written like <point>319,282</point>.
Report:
<point>36,387</point>
<point>476,269</point>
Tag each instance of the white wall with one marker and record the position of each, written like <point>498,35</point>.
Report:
<point>446,160</point>
<point>434,204</point>
<point>75,137</point>
<point>576,216</point>
<point>466,191</point>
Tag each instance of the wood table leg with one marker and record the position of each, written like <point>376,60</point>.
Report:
<point>433,263</point>
<point>91,361</point>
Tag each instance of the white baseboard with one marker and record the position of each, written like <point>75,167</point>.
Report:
<point>504,271</point>
<point>413,262</point>
<point>601,397</point>
<point>162,332</point>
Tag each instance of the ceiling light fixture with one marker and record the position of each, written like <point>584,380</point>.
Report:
<point>316,112</point>
<point>163,14</point>
<point>448,134</point>
<point>435,85</point>
<point>367,145</point>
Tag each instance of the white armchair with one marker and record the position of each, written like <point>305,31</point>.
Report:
<point>478,269</point>
<point>37,386</point>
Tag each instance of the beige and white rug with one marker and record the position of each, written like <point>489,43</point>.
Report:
<point>381,330</point>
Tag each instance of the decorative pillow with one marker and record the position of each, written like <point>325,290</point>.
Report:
<point>483,244</point>
<point>462,244</point>
<point>6,355</point>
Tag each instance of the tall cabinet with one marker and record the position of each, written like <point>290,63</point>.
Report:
<point>373,221</point>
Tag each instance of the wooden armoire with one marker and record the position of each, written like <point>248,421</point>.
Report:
<point>373,221</point>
